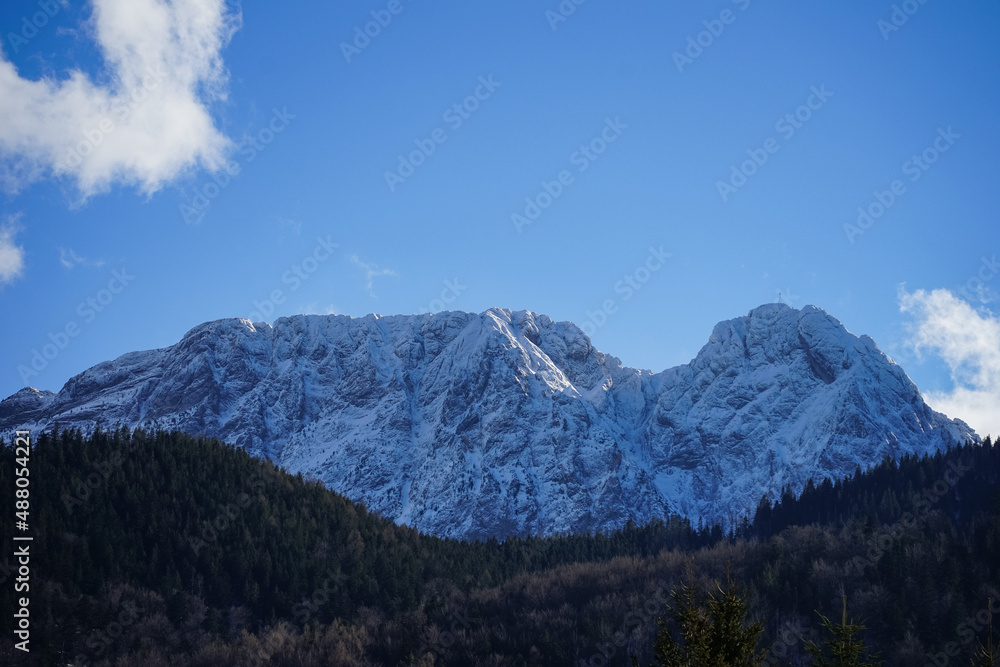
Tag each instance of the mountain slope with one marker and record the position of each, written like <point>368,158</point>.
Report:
<point>502,423</point>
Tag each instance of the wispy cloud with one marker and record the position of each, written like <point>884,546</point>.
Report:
<point>68,258</point>
<point>315,309</point>
<point>969,342</point>
<point>371,271</point>
<point>11,254</point>
<point>293,225</point>
<point>145,125</point>
<point>787,296</point>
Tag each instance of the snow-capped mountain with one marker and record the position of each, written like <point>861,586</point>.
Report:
<point>502,423</point>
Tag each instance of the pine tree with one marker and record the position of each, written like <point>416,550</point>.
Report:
<point>844,650</point>
<point>988,655</point>
<point>713,632</point>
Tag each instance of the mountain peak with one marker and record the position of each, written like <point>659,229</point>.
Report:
<point>507,422</point>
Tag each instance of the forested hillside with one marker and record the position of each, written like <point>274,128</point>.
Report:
<point>162,548</point>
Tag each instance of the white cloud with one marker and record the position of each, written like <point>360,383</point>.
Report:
<point>144,123</point>
<point>371,272</point>
<point>69,258</point>
<point>969,342</point>
<point>11,254</point>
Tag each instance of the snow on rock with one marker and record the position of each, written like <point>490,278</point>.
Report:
<point>508,423</point>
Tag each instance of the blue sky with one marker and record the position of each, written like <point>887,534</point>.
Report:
<point>265,159</point>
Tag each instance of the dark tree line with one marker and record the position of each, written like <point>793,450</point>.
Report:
<point>162,548</point>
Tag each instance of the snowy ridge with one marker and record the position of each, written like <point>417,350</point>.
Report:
<point>502,423</point>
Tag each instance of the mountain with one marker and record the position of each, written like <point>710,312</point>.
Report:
<point>507,423</point>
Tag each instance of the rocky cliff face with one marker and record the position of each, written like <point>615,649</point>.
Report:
<point>503,423</point>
